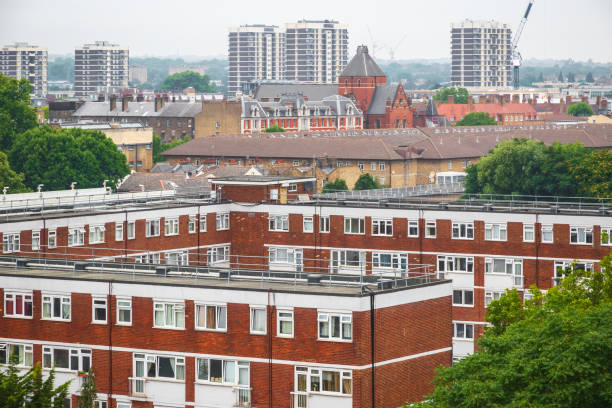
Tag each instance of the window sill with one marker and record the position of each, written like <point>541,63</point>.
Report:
<point>219,384</point>
<point>163,379</point>
<point>123,324</point>
<point>19,317</point>
<point>463,339</point>
<point>330,394</point>
<point>335,340</point>
<point>284,336</point>
<point>151,236</point>
<point>210,330</point>
<point>463,239</point>
<point>382,235</point>
<point>354,233</point>
<point>469,306</point>
<point>55,320</point>
<point>99,322</point>
<point>432,237</point>
<point>500,240</point>
<point>258,333</point>
<point>171,235</point>
<point>169,328</point>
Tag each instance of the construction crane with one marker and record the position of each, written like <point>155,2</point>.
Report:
<point>517,59</point>
<point>392,50</point>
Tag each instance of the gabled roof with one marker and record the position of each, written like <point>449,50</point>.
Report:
<point>362,65</point>
<point>382,93</point>
<point>313,92</point>
<point>139,109</point>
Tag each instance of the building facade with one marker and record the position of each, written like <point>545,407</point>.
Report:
<point>137,73</point>
<point>481,54</point>
<point>101,67</point>
<point>24,61</point>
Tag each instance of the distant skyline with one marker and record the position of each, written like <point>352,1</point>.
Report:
<point>557,29</point>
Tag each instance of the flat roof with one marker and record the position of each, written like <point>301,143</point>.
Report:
<point>259,180</point>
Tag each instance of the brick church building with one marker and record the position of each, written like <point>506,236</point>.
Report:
<point>383,105</point>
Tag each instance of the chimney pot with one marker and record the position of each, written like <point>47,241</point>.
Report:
<point>113,102</point>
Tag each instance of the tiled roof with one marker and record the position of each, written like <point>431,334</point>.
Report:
<point>362,65</point>
<point>458,111</point>
<point>382,93</point>
<point>313,92</point>
<point>453,110</point>
<point>139,109</point>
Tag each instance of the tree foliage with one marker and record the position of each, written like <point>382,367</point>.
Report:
<point>592,174</point>
<point>274,128</point>
<point>460,95</point>
<point>9,178</point>
<point>182,80</point>
<point>30,390</point>
<point>476,119</point>
<point>580,109</point>
<point>57,157</point>
<point>159,147</point>
<point>16,113</point>
<point>551,351</point>
<point>89,392</point>
<point>366,182</point>
<point>336,185</point>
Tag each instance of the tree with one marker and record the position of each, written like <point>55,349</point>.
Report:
<point>10,179</point>
<point>366,182</point>
<point>159,147</point>
<point>89,392</point>
<point>589,77</point>
<point>592,174</point>
<point>29,390</point>
<point>580,109</point>
<point>461,95</point>
<point>476,119</point>
<point>336,185</point>
<point>182,80</point>
<point>16,113</point>
<point>560,79</point>
<point>58,157</point>
<point>551,351</point>
<point>274,128</point>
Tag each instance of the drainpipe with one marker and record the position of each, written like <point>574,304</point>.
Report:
<point>372,339</point>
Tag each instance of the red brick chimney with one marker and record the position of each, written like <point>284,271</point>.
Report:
<point>598,103</point>
<point>470,103</point>
<point>568,100</point>
<point>124,103</point>
<point>585,99</point>
<point>140,98</point>
<point>101,97</point>
<point>450,99</point>
<point>516,98</point>
<point>113,102</point>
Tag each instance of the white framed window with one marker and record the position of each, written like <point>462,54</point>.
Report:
<point>211,317</point>
<point>413,228</point>
<point>581,235</point>
<point>507,266</point>
<point>381,165</point>
<point>223,221</point>
<point>229,372</point>
<point>52,239</point>
<point>308,224</point>
<point>96,234</point>
<point>202,222</point>
<point>296,163</point>
<point>463,230</point>
<point>281,255</point>
<point>430,229</point>
<point>169,315</point>
<point>258,320</point>
<point>191,227</point>
<point>463,297</point>
<point>98,310</point>
<point>292,187</point>
<point>20,354</point>
<point>131,230</point>
<point>73,359</point>
<point>528,233</point>
<point>361,165</point>
<point>354,225</point>
<point>278,222</point>
<point>163,367</point>
<point>605,236</point>
<point>18,304</point>
<point>492,295</point>
<point>101,403</point>
<point>373,166</point>
<point>382,227</point>
<point>463,331</point>
<point>324,223</point>
<point>124,311</point>
<point>152,228</point>
<point>387,260</point>
<point>118,231</point>
<point>335,326</point>
<point>327,380</point>
<point>496,232</point>
<point>171,226</point>
<point>455,264</point>
<point>284,323</point>
<point>547,234</point>
<point>150,258</point>
<point>56,307</point>
<point>10,243</point>
<point>563,268</point>
<point>35,240</point>
<point>217,254</point>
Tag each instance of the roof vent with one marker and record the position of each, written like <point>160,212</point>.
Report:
<point>314,278</point>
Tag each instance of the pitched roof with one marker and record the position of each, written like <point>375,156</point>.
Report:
<point>382,93</point>
<point>362,65</point>
<point>139,109</point>
<point>313,92</point>
<point>431,109</point>
<point>453,110</point>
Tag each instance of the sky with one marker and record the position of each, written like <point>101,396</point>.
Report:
<point>557,29</point>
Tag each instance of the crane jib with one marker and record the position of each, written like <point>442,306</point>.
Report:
<point>528,10</point>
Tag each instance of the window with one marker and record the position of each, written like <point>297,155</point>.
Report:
<point>334,326</point>
<point>96,234</point>
<point>19,354</point>
<point>296,163</point>
<point>389,260</point>
<point>430,229</point>
<point>506,266</point>
<point>171,226</point>
<point>450,162</point>
<point>528,233</point>
<point>223,221</point>
<point>203,223</point>
<point>292,187</point>
<point>10,243</point>
<point>258,320</point>
<point>308,224</point>
<point>278,222</point>
<point>491,296</point>
<point>605,237</point>
<point>323,223</point>
<point>217,254</point>
<point>381,166</point>
<point>361,165</point>
<point>152,228</point>
<point>563,268</point>
<point>124,312</point>
<point>150,366</point>
<point>211,317</point>
<point>455,264</point>
<point>547,234</point>
<point>118,231</point>
<point>169,315</point>
<point>339,163</point>
<point>52,240</point>
<point>223,371</point>
<point>463,331</point>
<point>354,225</point>
<point>17,304</point>
<point>373,166</point>
<point>191,227</point>
<point>56,307</point>
<point>35,240</point>
<point>496,232</point>
<point>67,358</point>
<point>463,230</point>
<point>98,310</point>
<point>131,230</point>
<point>463,298</point>
<point>581,235</point>
<point>328,380</point>
<point>355,259</point>
<point>413,228</point>
<point>284,323</point>
<point>382,227</point>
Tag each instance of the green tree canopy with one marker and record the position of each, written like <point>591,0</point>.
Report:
<point>89,391</point>
<point>476,119</point>
<point>366,182</point>
<point>592,174</point>
<point>461,95</point>
<point>336,185</point>
<point>580,109</point>
<point>57,157</point>
<point>159,147</point>
<point>274,128</point>
<point>30,390</point>
<point>10,179</point>
<point>16,113</point>
<point>182,80</point>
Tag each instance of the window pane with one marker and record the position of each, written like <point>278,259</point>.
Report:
<point>323,330</point>
<point>202,369</point>
<point>347,329</point>
<point>469,297</point>
<point>216,370</point>
<point>331,381</point>
<point>457,297</point>
<point>229,371</point>
<point>166,366</point>
<point>335,320</point>
<point>60,358</point>
<point>469,331</point>
<point>221,317</point>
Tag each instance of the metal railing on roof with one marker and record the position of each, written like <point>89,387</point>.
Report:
<point>397,192</point>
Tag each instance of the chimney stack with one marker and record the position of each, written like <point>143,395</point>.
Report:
<point>113,102</point>
<point>124,102</point>
<point>568,100</point>
<point>598,101</point>
<point>585,99</point>
<point>140,98</point>
<point>470,103</point>
<point>516,98</point>
<point>158,103</point>
<point>450,99</point>
<point>100,97</point>
<point>165,98</point>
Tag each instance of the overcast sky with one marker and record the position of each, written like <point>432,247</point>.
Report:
<point>558,29</point>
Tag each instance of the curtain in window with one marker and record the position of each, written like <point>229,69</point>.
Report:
<point>331,381</point>
<point>211,321</point>
<point>347,386</point>
<point>229,371</point>
<point>202,369</point>
<point>167,367</point>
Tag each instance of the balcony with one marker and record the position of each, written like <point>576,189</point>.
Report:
<point>137,387</point>
<point>243,396</point>
<point>299,399</point>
